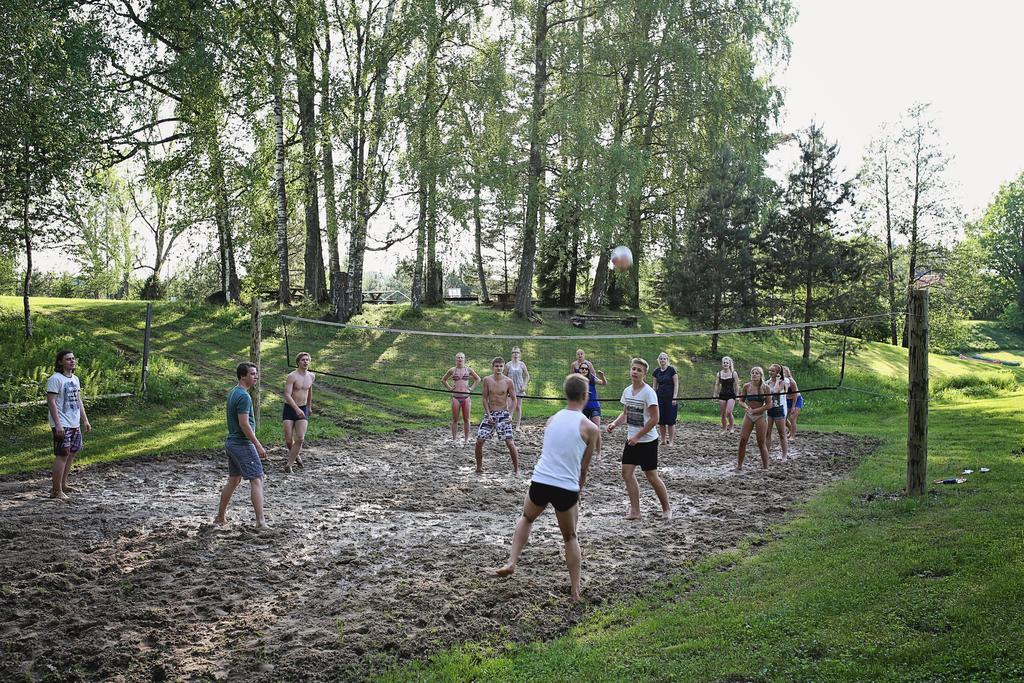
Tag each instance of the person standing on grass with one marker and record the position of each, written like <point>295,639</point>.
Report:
<point>666,386</point>
<point>641,417</point>
<point>244,450</point>
<point>67,418</point>
<point>498,394</point>
<point>298,402</point>
<point>517,371</point>
<point>755,404</point>
<point>462,401</point>
<point>570,440</point>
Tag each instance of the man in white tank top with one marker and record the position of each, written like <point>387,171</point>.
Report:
<point>570,440</point>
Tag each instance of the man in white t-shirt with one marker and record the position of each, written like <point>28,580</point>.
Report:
<point>67,420</point>
<point>570,440</point>
<point>641,417</point>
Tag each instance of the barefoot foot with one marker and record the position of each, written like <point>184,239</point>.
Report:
<point>59,497</point>
<point>632,515</point>
<point>507,570</point>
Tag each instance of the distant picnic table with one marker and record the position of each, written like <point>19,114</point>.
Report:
<point>392,296</point>
<point>581,319</point>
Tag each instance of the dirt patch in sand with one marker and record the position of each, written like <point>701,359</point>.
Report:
<point>379,551</point>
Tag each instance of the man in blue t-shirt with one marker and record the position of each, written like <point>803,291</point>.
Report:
<point>244,450</point>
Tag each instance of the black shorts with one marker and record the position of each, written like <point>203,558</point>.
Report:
<point>644,454</point>
<point>288,413</point>
<point>591,412</point>
<point>561,499</point>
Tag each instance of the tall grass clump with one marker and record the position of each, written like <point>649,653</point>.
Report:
<point>975,385</point>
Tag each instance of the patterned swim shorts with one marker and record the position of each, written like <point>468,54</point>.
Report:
<point>69,444</point>
<point>499,423</point>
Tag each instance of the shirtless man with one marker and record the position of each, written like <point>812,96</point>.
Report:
<point>298,401</point>
<point>499,393</point>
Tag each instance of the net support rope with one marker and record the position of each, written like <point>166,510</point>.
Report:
<point>765,328</point>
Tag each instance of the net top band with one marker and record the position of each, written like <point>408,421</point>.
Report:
<point>647,335</point>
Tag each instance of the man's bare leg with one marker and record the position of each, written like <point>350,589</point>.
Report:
<point>257,500</point>
<point>632,490</point>
<point>465,421</point>
<point>225,498</point>
<point>512,451</point>
<point>57,478</point>
<point>567,525</point>
<point>288,425</point>
<point>298,436</point>
<point>661,491</point>
<point>522,533</point>
<point>67,471</point>
<point>478,451</point>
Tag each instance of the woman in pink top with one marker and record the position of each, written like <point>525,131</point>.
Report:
<point>460,387</point>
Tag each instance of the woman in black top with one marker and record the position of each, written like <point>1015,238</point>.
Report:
<point>727,384</point>
<point>666,386</point>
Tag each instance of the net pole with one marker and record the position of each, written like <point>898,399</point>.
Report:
<point>287,350</point>
<point>145,346</point>
<point>842,367</point>
<point>917,393</point>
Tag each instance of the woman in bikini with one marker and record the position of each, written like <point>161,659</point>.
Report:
<point>776,415</point>
<point>727,383</point>
<point>517,371</point>
<point>461,389</point>
<point>755,403</point>
<point>794,402</point>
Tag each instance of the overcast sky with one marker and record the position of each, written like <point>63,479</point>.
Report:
<point>857,64</point>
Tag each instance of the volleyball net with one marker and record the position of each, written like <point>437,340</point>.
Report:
<point>412,362</point>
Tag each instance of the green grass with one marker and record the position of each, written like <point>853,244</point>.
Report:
<point>865,584</point>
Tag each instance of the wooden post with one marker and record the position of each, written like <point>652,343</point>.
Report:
<point>145,346</point>
<point>254,356</point>
<point>917,393</point>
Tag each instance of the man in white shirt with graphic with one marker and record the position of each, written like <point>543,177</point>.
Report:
<point>66,414</point>
<point>570,439</point>
<point>641,418</point>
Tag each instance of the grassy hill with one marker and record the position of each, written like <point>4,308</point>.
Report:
<point>866,584</point>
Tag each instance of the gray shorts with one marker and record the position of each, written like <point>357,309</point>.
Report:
<point>243,460</point>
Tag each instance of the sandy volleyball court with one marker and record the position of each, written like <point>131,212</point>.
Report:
<point>380,550</point>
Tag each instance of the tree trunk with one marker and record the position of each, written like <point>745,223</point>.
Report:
<point>327,143</point>
<point>434,278</point>
<point>421,238</point>
<point>284,287</point>
<point>914,215</point>
<point>635,204</point>
<point>889,255</point>
<point>366,178</point>
<point>26,231</point>
<point>524,287</point>
<point>229,275</point>
<point>600,283</point>
<point>314,281</point>
<point>478,235</point>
